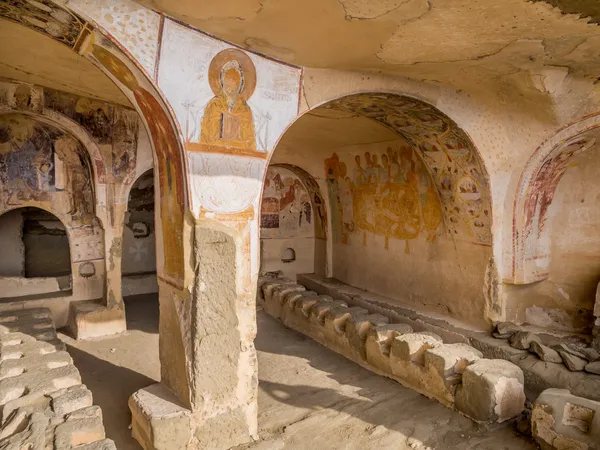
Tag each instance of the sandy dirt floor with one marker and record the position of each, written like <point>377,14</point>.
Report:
<point>309,397</point>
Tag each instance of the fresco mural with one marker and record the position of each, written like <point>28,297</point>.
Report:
<point>389,194</point>
<point>222,98</point>
<point>43,166</point>
<point>45,17</point>
<point>447,153</point>
<point>115,127</point>
<point>166,145</point>
<point>286,208</point>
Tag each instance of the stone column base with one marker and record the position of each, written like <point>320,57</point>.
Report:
<point>158,421</point>
<point>91,319</point>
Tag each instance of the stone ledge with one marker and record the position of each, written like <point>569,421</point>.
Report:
<point>539,375</point>
<point>91,320</point>
<point>454,374</point>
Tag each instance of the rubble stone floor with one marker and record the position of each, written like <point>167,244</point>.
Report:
<point>309,397</point>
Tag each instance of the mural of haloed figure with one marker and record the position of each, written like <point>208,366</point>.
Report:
<point>228,121</point>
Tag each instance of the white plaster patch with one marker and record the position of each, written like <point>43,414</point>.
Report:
<point>224,183</point>
<point>510,398</point>
<point>135,27</point>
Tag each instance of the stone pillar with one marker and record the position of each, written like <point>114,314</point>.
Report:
<point>207,398</point>
<point>91,319</point>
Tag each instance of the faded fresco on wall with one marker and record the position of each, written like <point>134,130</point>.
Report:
<point>533,241</point>
<point>448,154</point>
<point>45,17</point>
<point>43,166</point>
<point>109,124</point>
<point>286,208</point>
<point>223,98</point>
<point>388,194</point>
<point>168,156</point>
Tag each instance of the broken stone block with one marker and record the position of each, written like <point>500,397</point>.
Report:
<point>89,320</point>
<point>590,354</point>
<point>71,399</point>
<point>336,318</point>
<point>318,311</point>
<point>293,297</point>
<point>521,340</point>
<point>379,341</point>
<point>158,420</point>
<point>357,328</point>
<point>504,330</point>
<point>304,304</point>
<point>270,285</point>
<point>411,347</point>
<point>13,367</point>
<point>85,428</point>
<point>572,362</point>
<point>562,421</point>
<point>280,291</point>
<point>492,390</point>
<point>593,367</point>
<point>451,359</point>
<point>545,353</point>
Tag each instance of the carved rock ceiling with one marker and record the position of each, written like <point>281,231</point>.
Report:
<point>464,43</point>
<point>34,58</point>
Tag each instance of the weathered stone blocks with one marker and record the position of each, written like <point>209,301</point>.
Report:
<point>90,319</point>
<point>490,390</point>
<point>42,399</point>
<point>562,421</point>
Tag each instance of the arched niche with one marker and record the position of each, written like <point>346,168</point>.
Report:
<point>293,221</point>
<point>428,182</point>
<point>138,263</point>
<point>532,225</point>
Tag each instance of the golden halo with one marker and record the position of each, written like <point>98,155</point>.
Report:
<point>246,65</point>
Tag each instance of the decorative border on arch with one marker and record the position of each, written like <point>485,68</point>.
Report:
<point>529,262</point>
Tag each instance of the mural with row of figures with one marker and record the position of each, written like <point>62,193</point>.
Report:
<point>389,194</point>
<point>42,165</point>
<point>290,207</point>
<point>450,157</point>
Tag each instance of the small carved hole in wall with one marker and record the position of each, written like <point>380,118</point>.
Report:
<point>578,416</point>
<point>87,270</point>
<point>288,256</point>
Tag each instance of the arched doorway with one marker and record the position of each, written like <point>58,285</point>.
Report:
<point>138,264</point>
<point>409,207</point>
<point>293,221</point>
<point>36,254</point>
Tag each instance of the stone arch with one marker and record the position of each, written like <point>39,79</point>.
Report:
<point>62,122</point>
<point>444,147</point>
<point>460,206</point>
<point>84,36</point>
<point>531,225</point>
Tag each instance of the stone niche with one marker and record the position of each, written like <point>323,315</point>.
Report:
<point>292,224</point>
